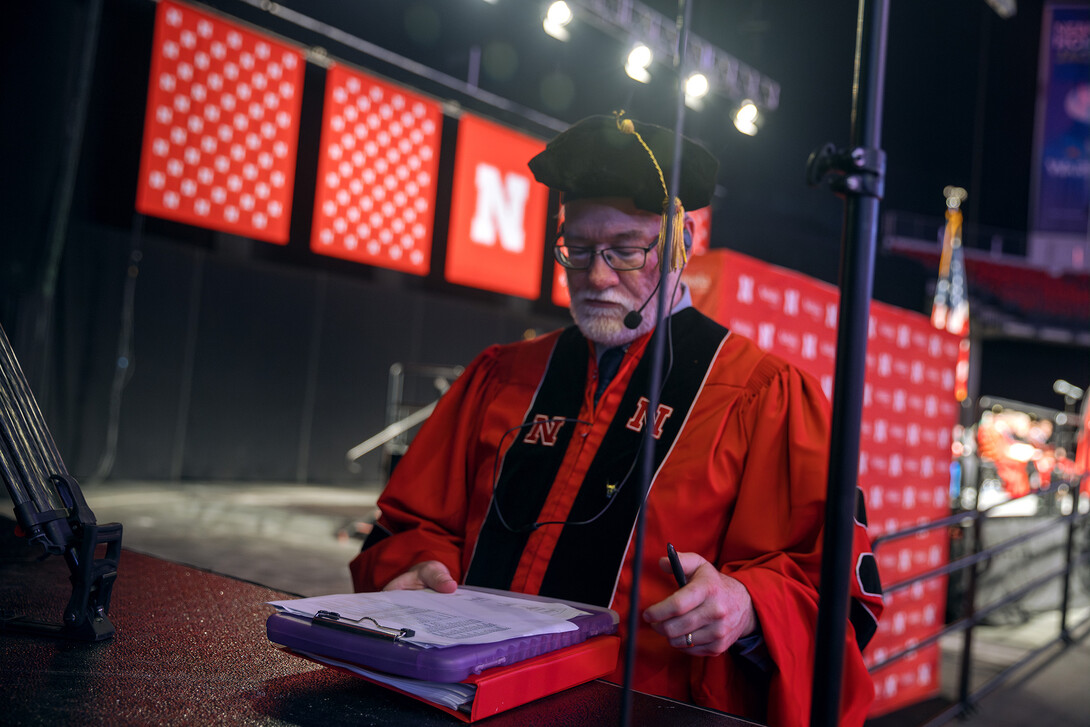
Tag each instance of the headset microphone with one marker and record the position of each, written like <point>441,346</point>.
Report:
<point>634,318</point>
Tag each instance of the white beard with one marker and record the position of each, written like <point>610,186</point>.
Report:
<point>607,328</point>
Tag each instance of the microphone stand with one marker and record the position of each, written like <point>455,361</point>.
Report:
<point>51,511</point>
<point>658,350</point>
<point>859,175</point>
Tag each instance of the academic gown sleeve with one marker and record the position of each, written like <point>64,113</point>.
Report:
<point>773,543</point>
<point>425,504</point>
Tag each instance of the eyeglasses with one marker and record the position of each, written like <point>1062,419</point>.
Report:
<point>618,258</point>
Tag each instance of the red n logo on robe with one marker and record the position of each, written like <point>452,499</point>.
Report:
<point>544,430</point>
<point>662,413</point>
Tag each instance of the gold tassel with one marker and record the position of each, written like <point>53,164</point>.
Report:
<point>677,231</point>
<point>677,241</point>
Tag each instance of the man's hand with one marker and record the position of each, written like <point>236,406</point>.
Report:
<point>714,609</point>
<point>429,574</point>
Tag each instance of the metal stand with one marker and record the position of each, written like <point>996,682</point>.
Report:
<point>52,512</point>
<point>858,175</point>
<point>658,354</point>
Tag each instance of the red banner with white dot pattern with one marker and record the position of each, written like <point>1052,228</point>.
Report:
<point>909,412</point>
<point>221,129</point>
<point>377,170</point>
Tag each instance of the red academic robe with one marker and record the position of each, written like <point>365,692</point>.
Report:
<point>743,486</point>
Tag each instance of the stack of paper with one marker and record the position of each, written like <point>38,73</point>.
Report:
<point>473,653</point>
<point>444,619</point>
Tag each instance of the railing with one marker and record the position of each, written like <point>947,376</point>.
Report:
<point>977,240</point>
<point>973,521</point>
<point>403,410</point>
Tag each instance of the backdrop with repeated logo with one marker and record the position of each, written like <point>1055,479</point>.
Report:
<point>909,413</point>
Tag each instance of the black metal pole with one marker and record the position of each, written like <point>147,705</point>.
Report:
<point>658,351</point>
<point>856,282</point>
<point>1069,554</point>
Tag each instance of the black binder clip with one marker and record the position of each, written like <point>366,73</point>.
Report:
<point>332,619</point>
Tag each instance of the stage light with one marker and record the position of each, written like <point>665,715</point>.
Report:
<point>696,86</point>
<point>727,77</point>
<point>954,196</point>
<point>558,15</point>
<point>639,58</point>
<point>746,117</point>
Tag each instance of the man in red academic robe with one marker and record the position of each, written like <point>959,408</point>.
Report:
<point>524,477</point>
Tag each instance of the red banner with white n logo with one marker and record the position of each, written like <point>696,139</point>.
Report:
<point>222,125</point>
<point>377,169</point>
<point>497,219</point>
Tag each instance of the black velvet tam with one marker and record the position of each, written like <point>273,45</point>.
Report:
<point>594,158</point>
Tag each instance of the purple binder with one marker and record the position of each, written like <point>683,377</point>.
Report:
<point>437,664</point>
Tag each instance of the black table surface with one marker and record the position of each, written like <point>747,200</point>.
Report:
<point>190,649</point>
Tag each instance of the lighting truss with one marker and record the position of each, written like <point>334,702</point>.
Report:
<point>727,76</point>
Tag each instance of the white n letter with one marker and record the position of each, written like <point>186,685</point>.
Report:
<point>500,204</point>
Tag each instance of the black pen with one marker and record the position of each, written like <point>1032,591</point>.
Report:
<point>675,564</point>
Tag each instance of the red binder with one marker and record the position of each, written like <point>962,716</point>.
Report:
<point>505,687</point>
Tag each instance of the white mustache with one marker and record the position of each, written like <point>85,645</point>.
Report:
<point>600,298</point>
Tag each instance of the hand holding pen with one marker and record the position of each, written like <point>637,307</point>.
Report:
<point>675,565</point>
<point>679,576</point>
<point>709,611</point>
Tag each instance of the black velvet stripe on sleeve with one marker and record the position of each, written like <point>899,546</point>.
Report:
<point>863,623</point>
